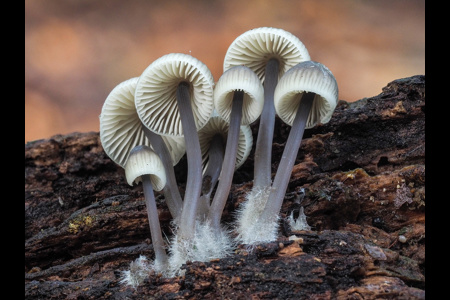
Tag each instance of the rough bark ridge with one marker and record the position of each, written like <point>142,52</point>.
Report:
<point>360,179</point>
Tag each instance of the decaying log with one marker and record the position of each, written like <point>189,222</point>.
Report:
<point>360,179</point>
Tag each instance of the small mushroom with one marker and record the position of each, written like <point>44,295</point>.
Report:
<point>269,52</point>
<point>121,130</point>
<point>144,165</point>
<point>213,138</point>
<point>306,95</point>
<point>238,98</point>
<point>174,97</point>
<point>213,148</point>
<point>170,149</point>
<point>218,126</point>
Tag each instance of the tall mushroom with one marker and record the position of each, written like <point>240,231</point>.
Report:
<point>174,97</point>
<point>306,95</point>
<point>238,98</point>
<point>269,52</point>
<point>121,130</point>
<point>145,165</point>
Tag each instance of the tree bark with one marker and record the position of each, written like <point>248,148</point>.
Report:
<point>360,179</point>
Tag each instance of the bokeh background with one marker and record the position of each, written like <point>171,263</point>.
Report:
<point>77,51</point>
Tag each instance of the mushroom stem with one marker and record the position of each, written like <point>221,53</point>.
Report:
<point>229,161</point>
<point>287,161</point>
<point>194,160</point>
<point>153,220</point>
<point>171,192</point>
<point>212,172</point>
<point>263,150</point>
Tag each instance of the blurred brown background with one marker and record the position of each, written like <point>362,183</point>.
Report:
<point>77,51</point>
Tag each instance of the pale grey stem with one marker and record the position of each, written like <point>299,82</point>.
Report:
<point>194,161</point>
<point>153,220</point>
<point>229,161</point>
<point>171,192</point>
<point>212,172</point>
<point>281,180</point>
<point>263,151</point>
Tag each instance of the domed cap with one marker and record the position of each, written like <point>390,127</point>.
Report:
<point>143,161</point>
<point>308,76</point>
<point>121,129</point>
<point>216,125</point>
<point>155,95</point>
<point>256,47</point>
<point>239,78</point>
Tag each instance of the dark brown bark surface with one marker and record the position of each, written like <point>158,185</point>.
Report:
<point>361,178</point>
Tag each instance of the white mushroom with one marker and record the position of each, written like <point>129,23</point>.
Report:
<point>121,130</point>
<point>269,52</point>
<point>145,165</point>
<point>306,95</point>
<point>238,98</point>
<point>307,77</point>
<point>156,93</point>
<point>174,97</point>
<point>213,138</point>
<point>256,47</point>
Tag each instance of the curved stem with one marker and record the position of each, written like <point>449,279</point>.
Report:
<point>281,180</point>
<point>229,162</point>
<point>153,220</point>
<point>212,172</point>
<point>263,150</point>
<point>171,192</point>
<point>194,160</point>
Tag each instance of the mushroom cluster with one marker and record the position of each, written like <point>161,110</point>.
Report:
<point>175,108</point>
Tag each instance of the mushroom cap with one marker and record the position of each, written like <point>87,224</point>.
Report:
<point>239,78</point>
<point>176,146</point>
<point>254,48</point>
<point>121,129</point>
<point>155,95</point>
<point>308,76</point>
<point>216,125</point>
<point>143,161</point>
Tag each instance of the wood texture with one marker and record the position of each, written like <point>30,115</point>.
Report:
<point>360,179</point>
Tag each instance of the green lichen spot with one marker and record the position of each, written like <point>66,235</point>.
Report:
<point>81,221</point>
